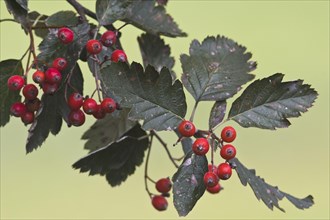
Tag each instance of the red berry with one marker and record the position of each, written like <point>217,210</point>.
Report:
<point>33,105</point>
<point>118,55</point>
<point>60,63</point>
<point>93,46</point>
<point>210,179</point>
<point>65,35</point>
<point>164,185</point>
<point>228,152</point>
<point>200,146</point>
<point>100,113</point>
<point>75,101</point>
<point>89,106</point>
<point>30,91</point>
<point>186,128</point>
<point>15,82</point>
<point>108,38</point>
<point>108,105</point>
<point>17,109</point>
<point>228,134</point>
<point>49,88</point>
<point>224,171</point>
<point>52,76</point>
<point>215,189</point>
<point>38,77</point>
<point>159,203</point>
<point>76,118</point>
<point>27,117</point>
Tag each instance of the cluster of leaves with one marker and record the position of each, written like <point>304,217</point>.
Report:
<point>152,98</point>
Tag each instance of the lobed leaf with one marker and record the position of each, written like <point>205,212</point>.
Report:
<point>151,95</point>
<point>8,68</point>
<point>19,10</point>
<point>117,160</point>
<point>38,21</point>
<point>23,4</point>
<point>216,69</point>
<point>107,130</point>
<point>142,14</point>
<point>156,53</point>
<point>62,18</point>
<point>270,195</point>
<point>188,185</point>
<point>217,114</point>
<point>267,103</point>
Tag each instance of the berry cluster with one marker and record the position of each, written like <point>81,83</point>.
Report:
<point>201,146</point>
<point>163,186</point>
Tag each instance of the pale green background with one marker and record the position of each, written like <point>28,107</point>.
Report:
<point>291,37</point>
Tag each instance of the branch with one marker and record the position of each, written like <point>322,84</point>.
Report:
<point>79,8</point>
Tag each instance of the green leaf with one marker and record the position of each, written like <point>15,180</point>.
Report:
<point>62,18</point>
<point>216,69</point>
<point>270,195</point>
<point>7,98</point>
<point>267,103</point>
<point>217,114</point>
<point>109,11</point>
<point>119,159</point>
<point>155,52</point>
<point>151,95</point>
<point>142,14</point>
<point>162,2</point>
<point>38,21</point>
<point>107,130</point>
<point>23,4</point>
<point>19,10</point>
<point>188,185</point>
<point>47,120</point>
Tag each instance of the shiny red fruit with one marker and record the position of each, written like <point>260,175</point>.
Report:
<point>60,63</point>
<point>93,46</point>
<point>30,91</point>
<point>38,77</point>
<point>164,185</point>
<point>108,38</point>
<point>76,118</point>
<point>159,203</point>
<point>215,189</point>
<point>210,179</point>
<point>224,171</point>
<point>15,82</point>
<point>108,105</point>
<point>27,117</point>
<point>52,76</point>
<point>118,56</point>
<point>201,146</point>
<point>33,105</point>
<point>228,134</point>
<point>17,109</point>
<point>228,152</point>
<point>49,88</point>
<point>65,35</point>
<point>186,128</point>
<point>99,114</point>
<point>89,106</point>
<point>75,101</point>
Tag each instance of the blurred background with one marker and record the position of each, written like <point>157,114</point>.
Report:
<point>291,37</point>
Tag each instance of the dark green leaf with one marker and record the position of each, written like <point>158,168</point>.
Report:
<point>109,11</point>
<point>155,52</point>
<point>62,18</point>
<point>38,22</point>
<point>20,13</point>
<point>216,69</point>
<point>188,185</point>
<point>270,195</point>
<point>119,159</point>
<point>162,2</point>
<point>107,130</point>
<point>7,98</point>
<point>47,120</point>
<point>23,4</point>
<point>142,14</point>
<point>267,103</point>
<point>217,114</point>
<point>152,96</point>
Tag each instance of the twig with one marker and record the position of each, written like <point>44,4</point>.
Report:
<point>146,177</point>
<point>7,19</point>
<point>193,112</point>
<point>79,8</point>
